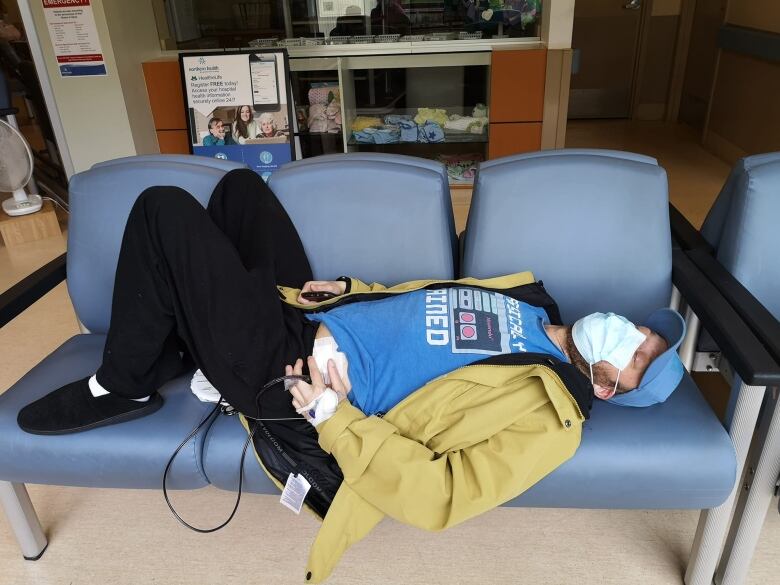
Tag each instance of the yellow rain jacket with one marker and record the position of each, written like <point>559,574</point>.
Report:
<point>459,446</point>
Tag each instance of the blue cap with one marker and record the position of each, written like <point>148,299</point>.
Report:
<point>664,374</point>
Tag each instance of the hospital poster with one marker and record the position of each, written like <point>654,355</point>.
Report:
<point>239,107</point>
<point>74,37</point>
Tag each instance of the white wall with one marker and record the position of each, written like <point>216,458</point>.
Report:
<point>557,23</point>
<point>134,39</point>
<point>100,117</point>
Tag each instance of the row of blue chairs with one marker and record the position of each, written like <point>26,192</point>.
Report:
<point>594,225</point>
<point>737,248</point>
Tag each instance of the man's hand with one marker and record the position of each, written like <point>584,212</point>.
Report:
<point>337,287</point>
<point>304,394</point>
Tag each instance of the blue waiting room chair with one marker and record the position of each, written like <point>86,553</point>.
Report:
<point>737,249</point>
<point>390,222</point>
<point>396,224</point>
<point>594,226</point>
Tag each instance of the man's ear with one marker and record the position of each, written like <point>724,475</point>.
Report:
<point>602,392</point>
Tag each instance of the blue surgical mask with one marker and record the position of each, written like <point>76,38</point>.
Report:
<point>606,337</point>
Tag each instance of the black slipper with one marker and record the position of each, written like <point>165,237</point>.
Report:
<point>72,408</point>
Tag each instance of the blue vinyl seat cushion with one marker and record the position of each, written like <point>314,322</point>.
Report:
<point>127,455</point>
<point>628,459</point>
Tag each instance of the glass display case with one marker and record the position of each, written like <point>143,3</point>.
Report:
<point>316,90</point>
<point>213,24</point>
<point>431,106</point>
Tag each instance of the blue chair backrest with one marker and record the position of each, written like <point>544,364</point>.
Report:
<point>206,161</point>
<point>594,228</point>
<point>712,228</point>
<point>378,220</point>
<point>100,201</point>
<point>749,241</point>
<point>399,159</point>
<point>570,151</point>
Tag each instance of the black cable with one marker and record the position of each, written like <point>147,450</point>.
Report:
<point>228,411</point>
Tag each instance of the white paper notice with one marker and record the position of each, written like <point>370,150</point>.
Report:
<point>294,492</point>
<point>74,36</point>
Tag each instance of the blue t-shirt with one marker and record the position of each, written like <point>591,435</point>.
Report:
<point>398,344</point>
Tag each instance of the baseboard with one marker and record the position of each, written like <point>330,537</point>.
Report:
<point>650,111</point>
<point>723,148</point>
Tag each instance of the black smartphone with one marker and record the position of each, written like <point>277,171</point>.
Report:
<point>265,88</point>
<point>318,295</point>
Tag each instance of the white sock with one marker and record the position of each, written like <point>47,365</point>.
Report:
<point>98,390</point>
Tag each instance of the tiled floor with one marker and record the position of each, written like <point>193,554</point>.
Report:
<point>128,537</point>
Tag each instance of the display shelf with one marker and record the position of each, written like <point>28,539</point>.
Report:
<point>449,139</point>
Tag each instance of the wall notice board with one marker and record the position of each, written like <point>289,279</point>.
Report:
<point>239,107</point>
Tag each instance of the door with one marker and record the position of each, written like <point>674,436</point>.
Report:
<point>605,42</point>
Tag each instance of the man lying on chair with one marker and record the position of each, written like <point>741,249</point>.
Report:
<point>445,398</point>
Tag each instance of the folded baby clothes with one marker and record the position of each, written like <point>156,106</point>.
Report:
<point>430,132</point>
<point>333,114</point>
<point>396,119</point>
<point>436,115</point>
<point>465,124</point>
<point>405,124</point>
<point>363,122</point>
<point>480,111</point>
<point>461,167</point>
<point>409,130</point>
<point>323,93</point>
<point>318,120</point>
<point>383,135</point>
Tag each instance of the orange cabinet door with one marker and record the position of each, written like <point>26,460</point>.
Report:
<point>517,85</point>
<point>163,84</point>
<point>506,139</point>
<point>173,142</point>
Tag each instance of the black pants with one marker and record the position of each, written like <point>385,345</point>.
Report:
<point>203,282</point>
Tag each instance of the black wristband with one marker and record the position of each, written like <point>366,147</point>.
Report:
<point>348,281</point>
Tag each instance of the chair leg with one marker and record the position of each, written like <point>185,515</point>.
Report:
<point>754,501</point>
<point>23,520</point>
<point>714,523</point>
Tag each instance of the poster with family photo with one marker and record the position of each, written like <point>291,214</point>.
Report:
<point>239,108</point>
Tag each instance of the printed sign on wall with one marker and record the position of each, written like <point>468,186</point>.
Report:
<point>75,38</point>
<point>239,108</point>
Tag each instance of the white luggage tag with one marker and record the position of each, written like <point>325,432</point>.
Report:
<point>294,492</point>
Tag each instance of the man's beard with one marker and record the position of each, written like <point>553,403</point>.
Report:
<point>600,377</point>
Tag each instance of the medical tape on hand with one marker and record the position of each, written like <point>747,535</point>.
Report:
<point>321,408</point>
<point>326,348</point>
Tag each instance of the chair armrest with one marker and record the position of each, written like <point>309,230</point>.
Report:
<point>684,235</point>
<point>736,339</point>
<point>764,324</point>
<point>20,296</point>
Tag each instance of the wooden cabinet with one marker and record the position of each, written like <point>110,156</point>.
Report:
<point>516,101</point>
<point>516,97</point>
<point>163,85</point>
<point>513,138</point>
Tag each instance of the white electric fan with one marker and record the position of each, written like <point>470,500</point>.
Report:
<point>16,169</point>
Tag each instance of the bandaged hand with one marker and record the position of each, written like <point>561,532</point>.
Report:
<point>316,401</point>
<point>337,287</point>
